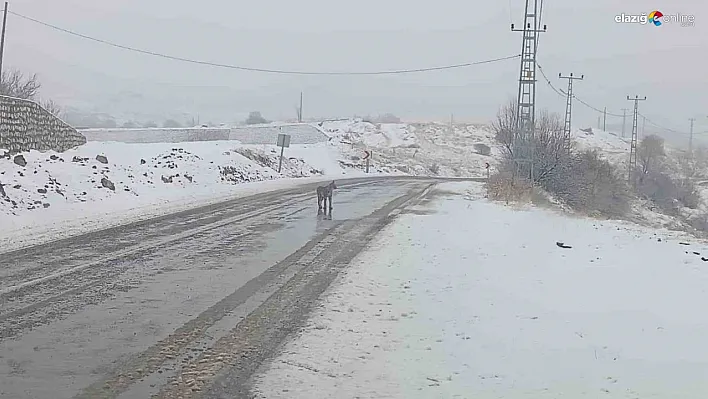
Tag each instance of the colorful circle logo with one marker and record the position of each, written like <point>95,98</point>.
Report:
<point>655,17</point>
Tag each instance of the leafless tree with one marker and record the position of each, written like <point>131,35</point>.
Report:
<point>14,83</point>
<point>693,164</point>
<point>505,127</point>
<point>650,153</point>
<point>53,108</point>
<point>255,118</point>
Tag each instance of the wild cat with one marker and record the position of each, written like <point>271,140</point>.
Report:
<point>324,194</point>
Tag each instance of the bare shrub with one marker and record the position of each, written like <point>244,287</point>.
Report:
<point>668,187</point>
<point>255,118</point>
<point>591,184</point>
<point>699,222</point>
<point>482,149</point>
<point>52,107</point>
<point>14,83</point>
<point>668,193</point>
<point>650,154</point>
<point>582,180</point>
<point>434,168</point>
<point>547,148</point>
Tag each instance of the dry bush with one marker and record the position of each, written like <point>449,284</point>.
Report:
<point>582,180</point>
<point>14,83</point>
<point>53,108</point>
<point>593,185</point>
<point>668,188</point>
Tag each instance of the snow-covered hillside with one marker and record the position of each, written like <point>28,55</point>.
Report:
<point>614,147</point>
<point>418,149</point>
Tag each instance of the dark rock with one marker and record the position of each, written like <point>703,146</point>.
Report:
<point>684,243</point>
<point>562,245</point>
<point>42,190</point>
<point>53,157</point>
<point>102,159</point>
<point>94,167</point>
<point>108,184</point>
<point>17,186</point>
<point>167,179</point>
<point>143,162</point>
<point>46,205</point>
<point>2,190</point>
<point>20,160</point>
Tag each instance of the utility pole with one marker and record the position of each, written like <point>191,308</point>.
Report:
<point>633,144</point>
<point>526,100</point>
<point>2,38</point>
<point>690,137</point>
<point>299,110</point>
<point>569,107</point>
<point>604,119</point>
<point>624,120</point>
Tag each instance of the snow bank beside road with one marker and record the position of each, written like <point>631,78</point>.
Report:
<point>98,185</point>
<point>478,300</point>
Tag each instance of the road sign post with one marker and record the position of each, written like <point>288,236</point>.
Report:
<point>367,157</point>
<point>486,166</point>
<point>283,141</point>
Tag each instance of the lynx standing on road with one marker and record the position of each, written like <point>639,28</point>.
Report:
<point>324,194</point>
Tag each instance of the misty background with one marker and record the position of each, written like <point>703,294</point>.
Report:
<point>666,63</point>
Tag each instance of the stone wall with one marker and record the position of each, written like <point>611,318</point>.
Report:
<point>157,135</point>
<point>25,125</point>
<point>300,133</point>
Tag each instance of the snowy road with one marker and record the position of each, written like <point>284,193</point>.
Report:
<point>164,307</point>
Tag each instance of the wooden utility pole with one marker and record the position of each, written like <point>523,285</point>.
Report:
<point>2,38</point>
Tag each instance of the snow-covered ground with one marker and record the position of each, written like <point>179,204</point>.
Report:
<point>61,194</point>
<point>55,195</point>
<point>431,149</point>
<point>614,147</point>
<point>156,178</point>
<point>465,298</point>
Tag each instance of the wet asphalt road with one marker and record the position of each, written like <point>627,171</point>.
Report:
<point>187,305</point>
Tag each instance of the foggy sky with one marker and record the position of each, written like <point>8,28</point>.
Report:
<point>666,63</point>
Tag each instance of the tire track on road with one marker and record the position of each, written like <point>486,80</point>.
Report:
<point>36,302</point>
<point>331,247</point>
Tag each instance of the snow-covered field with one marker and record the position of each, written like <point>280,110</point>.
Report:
<point>465,298</point>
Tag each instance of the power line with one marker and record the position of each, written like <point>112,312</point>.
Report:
<point>562,93</point>
<point>264,70</point>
